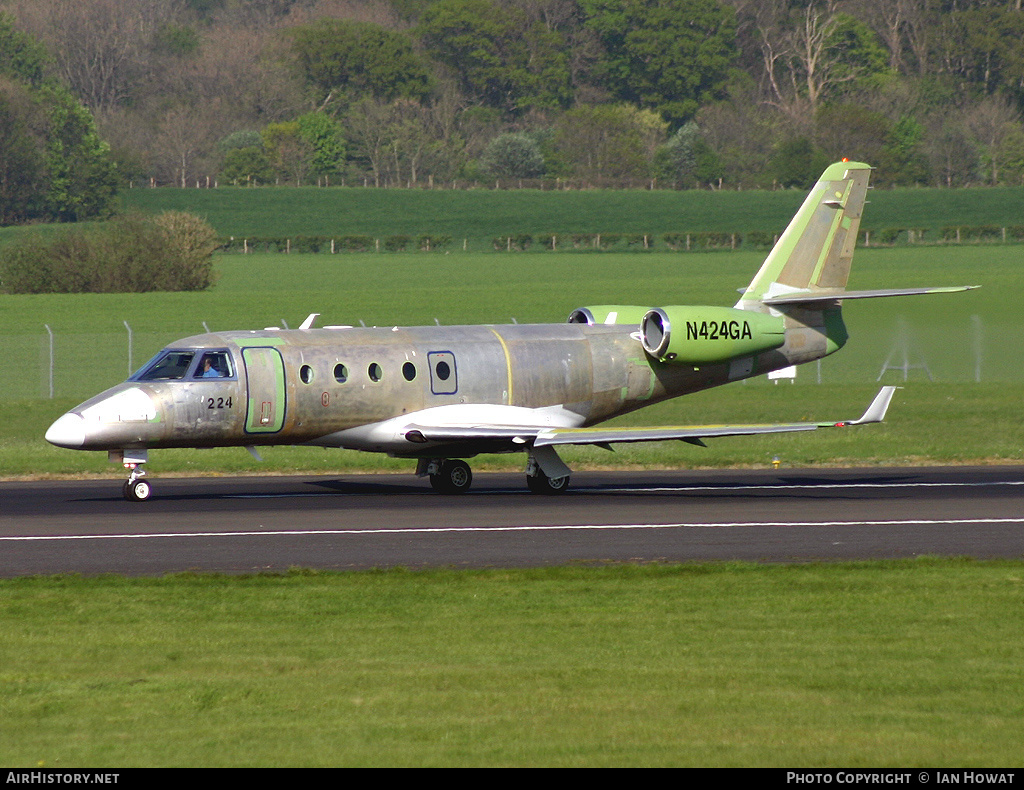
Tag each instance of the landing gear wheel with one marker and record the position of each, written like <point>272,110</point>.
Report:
<point>453,477</point>
<point>137,490</point>
<point>540,483</point>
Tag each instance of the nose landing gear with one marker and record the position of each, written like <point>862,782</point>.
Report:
<point>136,488</point>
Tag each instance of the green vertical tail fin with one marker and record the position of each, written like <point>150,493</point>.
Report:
<point>815,251</point>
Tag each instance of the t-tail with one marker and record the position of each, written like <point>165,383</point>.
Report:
<point>804,277</point>
<point>812,257</point>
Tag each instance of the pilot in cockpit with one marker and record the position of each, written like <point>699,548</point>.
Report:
<point>213,366</point>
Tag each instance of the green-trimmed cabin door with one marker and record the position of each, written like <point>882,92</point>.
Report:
<point>264,370</point>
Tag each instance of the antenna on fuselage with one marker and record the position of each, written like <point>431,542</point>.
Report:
<point>308,323</point>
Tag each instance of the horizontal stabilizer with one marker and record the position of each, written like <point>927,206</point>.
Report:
<point>808,297</point>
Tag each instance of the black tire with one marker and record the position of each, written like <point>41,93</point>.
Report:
<point>139,491</point>
<point>542,484</point>
<point>454,477</point>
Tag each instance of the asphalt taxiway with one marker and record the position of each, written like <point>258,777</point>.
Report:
<point>253,524</point>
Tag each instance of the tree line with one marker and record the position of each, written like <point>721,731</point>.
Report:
<point>676,93</point>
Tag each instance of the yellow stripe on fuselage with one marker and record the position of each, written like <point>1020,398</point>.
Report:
<point>508,363</point>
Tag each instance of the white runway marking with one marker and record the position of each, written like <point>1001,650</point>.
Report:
<point>803,487</point>
<point>518,528</point>
<point>684,489</point>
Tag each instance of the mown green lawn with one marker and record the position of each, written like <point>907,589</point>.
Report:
<point>898,664</point>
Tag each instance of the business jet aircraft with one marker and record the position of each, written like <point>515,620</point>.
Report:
<point>442,394</point>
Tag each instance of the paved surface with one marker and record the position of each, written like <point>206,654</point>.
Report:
<point>252,524</point>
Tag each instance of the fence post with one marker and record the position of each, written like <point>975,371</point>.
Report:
<point>130,371</point>
<point>50,333</point>
<point>977,336</point>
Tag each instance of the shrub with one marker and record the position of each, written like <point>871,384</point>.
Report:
<point>428,243</point>
<point>889,235</point>
<point>675,240</point>
<point>354,243</point>
<point>716,241</point>
<point>130,254</point>
<point>760,238</point>
<point>396,243</point>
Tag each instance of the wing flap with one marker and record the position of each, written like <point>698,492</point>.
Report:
<point>690,433</point>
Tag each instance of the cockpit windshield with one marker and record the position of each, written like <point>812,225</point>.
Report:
<point>192,363</point>
<point>167,366</point>
<point>213,365</point>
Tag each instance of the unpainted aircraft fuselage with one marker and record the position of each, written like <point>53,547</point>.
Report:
<point>339,387</point>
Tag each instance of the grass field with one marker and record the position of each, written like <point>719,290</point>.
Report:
<point>894,664</point>
<point>481,215</point>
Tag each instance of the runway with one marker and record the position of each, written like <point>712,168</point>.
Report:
<point>254,524</point>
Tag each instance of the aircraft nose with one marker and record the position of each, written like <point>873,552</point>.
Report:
<point>67,431</point>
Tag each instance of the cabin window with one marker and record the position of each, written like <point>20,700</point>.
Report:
<point>374,371</point>
<point>340,373</point>
<point>409,371</point>
<point>213,365</point>
<point>168,366</point>
<point>306,374</point>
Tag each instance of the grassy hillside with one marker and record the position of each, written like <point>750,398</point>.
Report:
<point>481,215</point>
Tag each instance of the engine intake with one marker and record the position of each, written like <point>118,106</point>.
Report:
<point>609,314</point>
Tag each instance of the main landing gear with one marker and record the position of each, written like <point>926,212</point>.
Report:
<point>540,483</point>
<point>450,476</point>
<point>453,476</point>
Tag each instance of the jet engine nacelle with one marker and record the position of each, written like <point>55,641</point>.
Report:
<point>687,335</point>
<point>610,314</point>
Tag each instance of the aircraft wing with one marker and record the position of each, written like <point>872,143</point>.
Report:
<point>545,436</point>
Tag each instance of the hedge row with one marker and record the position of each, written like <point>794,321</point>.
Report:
<point>351,243</point>
<point>605,241</point>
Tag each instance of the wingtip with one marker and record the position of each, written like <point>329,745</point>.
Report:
<point>879,406</point>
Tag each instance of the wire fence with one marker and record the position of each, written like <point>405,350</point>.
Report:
<point>49,364</point>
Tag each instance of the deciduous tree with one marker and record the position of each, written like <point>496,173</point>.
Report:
<point>344,61</point>
<point>497,56</point>
<point>667,55</point>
